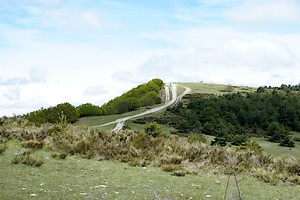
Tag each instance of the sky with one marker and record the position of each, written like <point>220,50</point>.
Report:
<point>90,51</point>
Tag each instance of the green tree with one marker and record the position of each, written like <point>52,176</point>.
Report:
<point>277,132</point>
<point>287,142</point>
<point>88,109</point>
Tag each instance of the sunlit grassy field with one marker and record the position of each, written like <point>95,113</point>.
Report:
<point>216,89</point>
<point>275,149</point>
<point>77,178</point>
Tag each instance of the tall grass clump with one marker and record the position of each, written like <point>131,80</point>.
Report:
<point>3,148</point>
<point>28,158</point>
<point>33,144</point>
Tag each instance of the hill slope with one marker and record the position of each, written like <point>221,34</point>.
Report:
<point>144,95</point>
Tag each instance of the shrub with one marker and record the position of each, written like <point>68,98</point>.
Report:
<point>59,155</point>
<point>253,146</point>
<point>153,129</point>
<point>52,114</point>
<point>178,173</point>
<point>33,144</point>
<point>196,137</point>
<point>219,141</point>
<point>171,167</point>
<point>287,142</point>
<point>171,159</point>
<point>239,140</point>
<point>88,109</point>
<point>3,148</point>
<point>27,158</point>
<point>297,139</point>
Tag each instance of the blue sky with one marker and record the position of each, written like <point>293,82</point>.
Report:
<point>54,51</point>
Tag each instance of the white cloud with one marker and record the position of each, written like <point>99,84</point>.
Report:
<point>246,62</point>
<point>257,54</point>
<point>36,75</point>
<point>22,106</point>
<point>95,90</point>
<point>272,11</point>
<point>12,94</point>
<point>91,19</point>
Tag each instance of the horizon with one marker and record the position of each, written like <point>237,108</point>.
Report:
<point>55,51</point>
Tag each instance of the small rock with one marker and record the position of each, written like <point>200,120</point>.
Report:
<point>208,196</point>
<point>23,188</point>
<point>84,194</point>
<point>33,195</point>
<point>100,186</point>
<point>218,182</point>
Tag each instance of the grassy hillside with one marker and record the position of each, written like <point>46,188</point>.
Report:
<point>142,96</point>
<point>216,89</point>
<point>77,178</point>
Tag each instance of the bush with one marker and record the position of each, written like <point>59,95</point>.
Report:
<point>53,114</point>
<point>196,137</point>
<point>27,158</point>
<point>153,129</point>
<point>253,146</point>
<point>171,167</point>
<point>59,155</point>
<point>238,140</point>
<point>33,144</point>
<point>3,148</point>
<point>171,159</point>
<point>219,141</point>
<point>287,142</point>
<point>86,110</point>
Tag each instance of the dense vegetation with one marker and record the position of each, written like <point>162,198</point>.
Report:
<point>283,87</point>
<point>233,117</point>
<point>54,114</point>
<point>88,110</point>
<point>144,95</point>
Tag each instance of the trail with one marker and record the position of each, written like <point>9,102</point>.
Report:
<point>120,122</point>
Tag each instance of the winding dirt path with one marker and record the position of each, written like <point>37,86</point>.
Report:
<point>120,122</point>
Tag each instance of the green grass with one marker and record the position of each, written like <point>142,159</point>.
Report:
<point>276,150</point>
<point>77,178</point>
<point>216,89</point>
